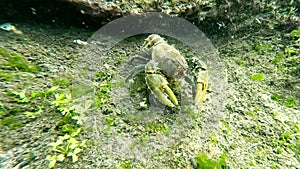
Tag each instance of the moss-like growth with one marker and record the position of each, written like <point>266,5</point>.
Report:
<point>160,128</point>
<point>17,62</point>
<point>11,123</point>
<point>62,82</point>
<point>295,33</point>
<point>258,77</point>
<point>80,90</point>
<point>3,110</point>
<point>126,164</point>
<point>7,76</point>
<point>204,162</point>
<point>110,120</point>
<point>286,101</point>
<point>262,48</point>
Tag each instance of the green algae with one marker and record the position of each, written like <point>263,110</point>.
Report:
<point>7,76</point>
<point>258,77</point>
<point>126,164</point>
<point>286,101</point>
<point>17,62</point>
<point>204,162</point>
<point>11,123</point>
<point>295,33</point>
<point>160,128</point>
<point>63,82</point>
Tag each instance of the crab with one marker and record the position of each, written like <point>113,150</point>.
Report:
<point>164,64</point>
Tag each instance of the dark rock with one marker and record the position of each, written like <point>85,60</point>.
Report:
<point>212,16</point>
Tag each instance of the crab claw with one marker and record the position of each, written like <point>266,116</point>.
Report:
<point>201,82</point>
<point>159,87</point>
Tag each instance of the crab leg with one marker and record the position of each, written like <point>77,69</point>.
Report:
<point>136,70</point>
<point>138,57</point>
<point>159,87</point>
<point>141,57</point>
<point>200,93</point>
<point>202,83</point>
